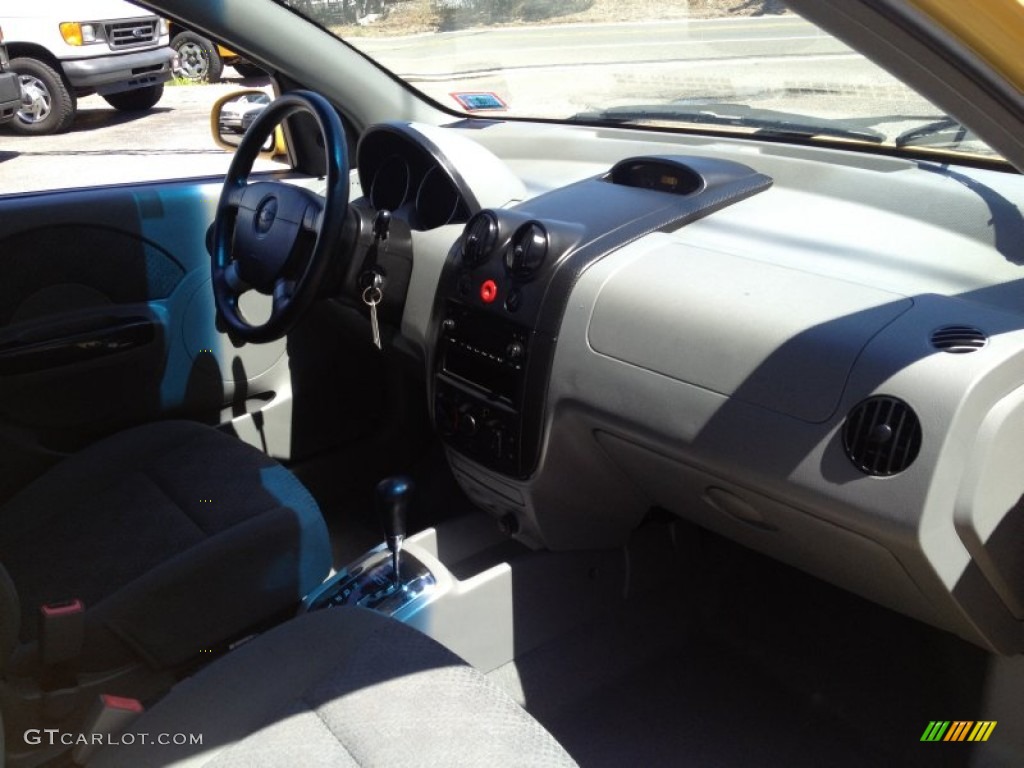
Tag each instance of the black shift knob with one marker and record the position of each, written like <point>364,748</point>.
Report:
<point>393,495</point>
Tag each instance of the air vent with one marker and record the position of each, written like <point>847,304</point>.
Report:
<point>527,251</point>
<point>479,238</point>
<point>882,436</point>
<point>959,339</point>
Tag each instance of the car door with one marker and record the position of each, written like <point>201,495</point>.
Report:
<point>107,321</point>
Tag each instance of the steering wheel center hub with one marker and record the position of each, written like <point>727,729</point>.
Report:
<point>266,214</point>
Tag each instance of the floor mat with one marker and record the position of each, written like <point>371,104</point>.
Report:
<point>744,661</point>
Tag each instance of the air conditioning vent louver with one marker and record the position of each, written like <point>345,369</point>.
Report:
<point>479,239</point>
<point>527,251</point>
<point>882,436</point>
<point>959,339</point>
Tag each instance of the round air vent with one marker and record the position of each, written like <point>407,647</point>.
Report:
<point>882,436</point>
<point>479,238</point>
<point>527,251</point>
<point>959,339</point>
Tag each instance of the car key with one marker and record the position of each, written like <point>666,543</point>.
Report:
<point>372,296</point>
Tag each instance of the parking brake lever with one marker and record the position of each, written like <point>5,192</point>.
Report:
<point>392,500</point>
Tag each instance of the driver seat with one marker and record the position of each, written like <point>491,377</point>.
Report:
<point>177,538</point>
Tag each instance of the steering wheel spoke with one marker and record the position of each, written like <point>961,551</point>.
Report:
<point>312,219</point>
<point>274,237</point>
<point>233,196</point>
<point>233,280</point>
<point>283,293</point>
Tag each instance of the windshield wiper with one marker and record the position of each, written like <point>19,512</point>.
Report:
<point>946,132</point>
<point>764,121</point>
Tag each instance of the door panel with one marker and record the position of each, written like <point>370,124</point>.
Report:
<point>107,320</point>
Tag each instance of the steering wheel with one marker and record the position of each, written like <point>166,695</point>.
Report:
<point>273,237</point>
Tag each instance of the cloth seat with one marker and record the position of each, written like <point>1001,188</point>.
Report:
<point>177,537</point>
<point>339,687</point>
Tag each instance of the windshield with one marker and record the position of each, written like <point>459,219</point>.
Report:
<point>750,66</point>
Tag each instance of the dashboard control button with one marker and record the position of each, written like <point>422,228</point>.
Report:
<point>467,422</point>
<point>514,351</point>
<point>513,301</point>
<point>488,291</point>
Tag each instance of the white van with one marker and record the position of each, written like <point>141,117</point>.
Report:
<point>65,49</point>
<point>10,90</point>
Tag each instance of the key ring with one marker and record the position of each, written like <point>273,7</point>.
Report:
<point>368,292</point>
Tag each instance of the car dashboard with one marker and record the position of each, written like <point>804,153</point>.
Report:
<point>814,351</point>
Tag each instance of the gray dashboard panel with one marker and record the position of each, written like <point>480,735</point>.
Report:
<point>709,370</point>
<point>775,337</point>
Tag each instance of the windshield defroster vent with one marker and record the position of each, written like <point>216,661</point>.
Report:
<point>882,436</point>
<point>959,339</point>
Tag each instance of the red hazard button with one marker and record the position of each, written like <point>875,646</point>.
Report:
<point>488,291</point>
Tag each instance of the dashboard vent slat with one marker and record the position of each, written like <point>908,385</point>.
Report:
<point>959,339</point>
<point>882,436</point>
<point>479,238</point>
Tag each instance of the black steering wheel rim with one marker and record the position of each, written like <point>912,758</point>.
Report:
<point>274,237</point>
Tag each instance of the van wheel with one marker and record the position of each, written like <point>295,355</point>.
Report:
<point>137,100</point>
<point>198,59</point>
<point>51,107</point>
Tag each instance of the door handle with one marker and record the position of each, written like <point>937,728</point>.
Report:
<point>21,356</point>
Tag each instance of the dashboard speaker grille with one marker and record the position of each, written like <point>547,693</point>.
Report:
<point>882,436</point>
<point>959,339</point>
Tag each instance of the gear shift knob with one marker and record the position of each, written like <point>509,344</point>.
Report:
<point>393,494</point>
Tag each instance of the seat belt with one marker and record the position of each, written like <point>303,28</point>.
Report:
<point>109,716</point>
<point>61,630</point>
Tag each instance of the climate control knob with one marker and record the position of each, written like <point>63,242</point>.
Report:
<point>468,425</point>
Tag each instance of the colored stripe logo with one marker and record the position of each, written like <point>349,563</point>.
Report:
<point>958,730</point>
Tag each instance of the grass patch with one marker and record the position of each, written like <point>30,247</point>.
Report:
<point>175,81</point>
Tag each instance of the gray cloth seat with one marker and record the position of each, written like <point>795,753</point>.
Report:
<point>175,536</point>
<point>339,687</point>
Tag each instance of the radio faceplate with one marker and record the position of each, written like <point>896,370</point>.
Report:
<point>478,395</point>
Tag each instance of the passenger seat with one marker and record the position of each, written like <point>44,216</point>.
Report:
<point>338,687</point>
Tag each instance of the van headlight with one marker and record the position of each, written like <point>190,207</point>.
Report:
<point>75,33</point>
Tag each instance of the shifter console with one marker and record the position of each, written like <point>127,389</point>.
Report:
<point>387,579</point>
<point>371,584</point>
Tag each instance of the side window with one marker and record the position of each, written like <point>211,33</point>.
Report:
<point>78,129</point>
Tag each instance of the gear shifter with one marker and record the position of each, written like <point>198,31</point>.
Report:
<point>402,585</point>
<point>393,495</point>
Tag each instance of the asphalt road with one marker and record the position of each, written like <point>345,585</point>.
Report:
<point>523,48</point>
<point>781,63</point>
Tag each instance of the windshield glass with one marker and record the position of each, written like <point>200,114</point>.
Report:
<point>750,66</point>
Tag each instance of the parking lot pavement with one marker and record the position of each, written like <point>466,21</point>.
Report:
<point>107,147</point>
